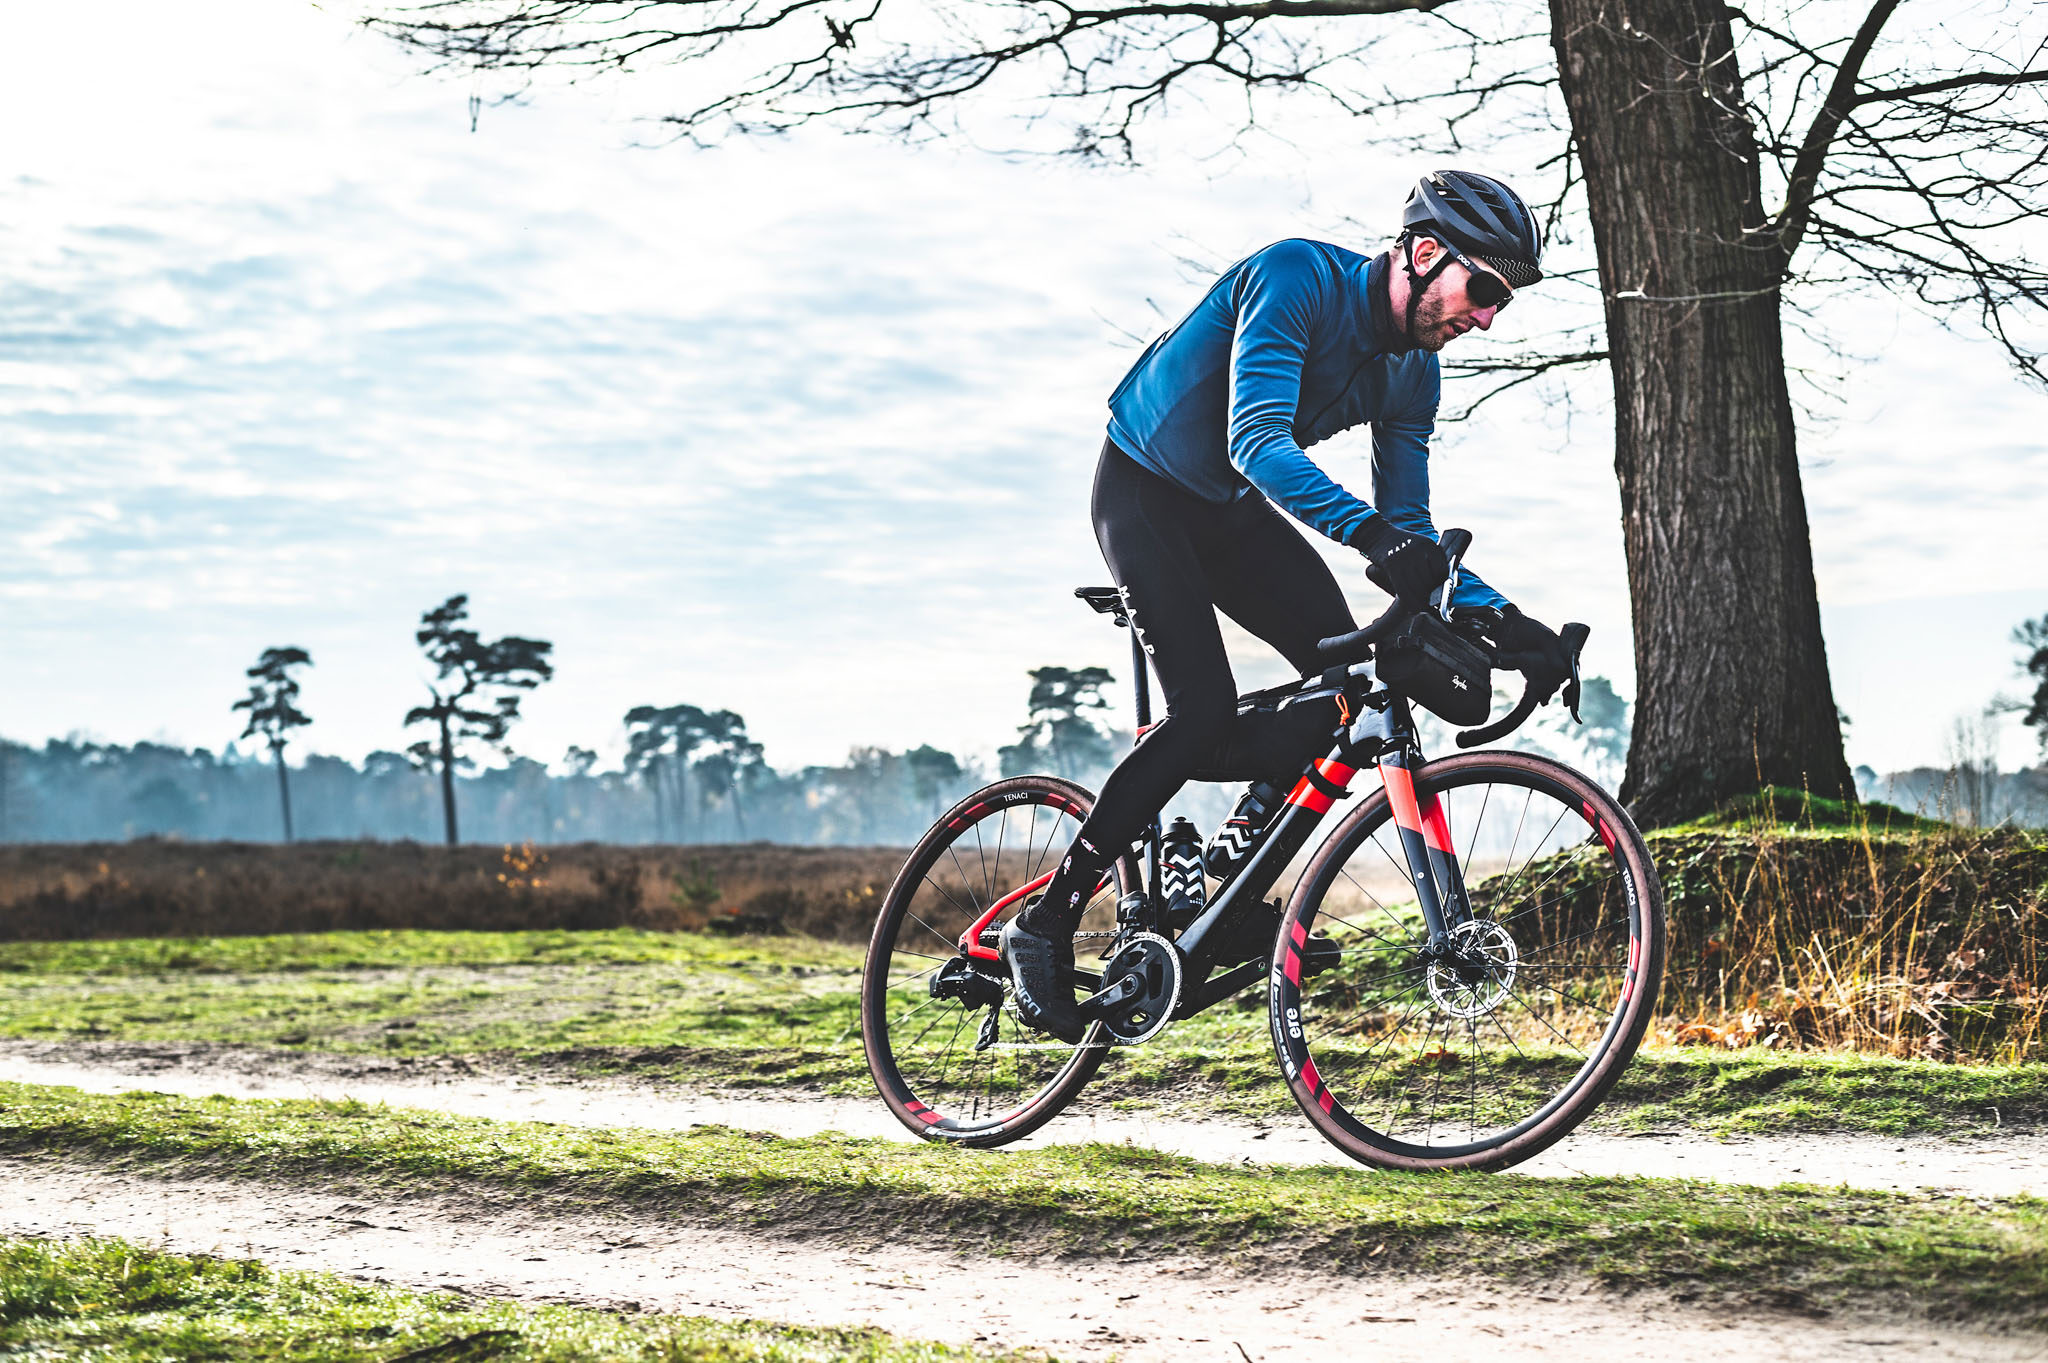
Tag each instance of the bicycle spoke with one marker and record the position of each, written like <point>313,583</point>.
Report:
<point>911,979</point>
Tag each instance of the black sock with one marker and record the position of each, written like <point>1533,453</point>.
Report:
<point>1058,912</point>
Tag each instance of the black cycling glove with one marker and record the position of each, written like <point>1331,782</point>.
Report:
<point>1532,649</point>
<point>1408,565</point>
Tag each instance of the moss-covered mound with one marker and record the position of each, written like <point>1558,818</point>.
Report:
<point>1839,927</point>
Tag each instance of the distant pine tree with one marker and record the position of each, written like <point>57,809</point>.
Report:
<point>273,706</point>
<point>470,673</point>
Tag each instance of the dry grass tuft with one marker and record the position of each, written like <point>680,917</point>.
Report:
<point>1853,934</point>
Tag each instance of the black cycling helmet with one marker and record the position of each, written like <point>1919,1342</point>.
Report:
<point>1481,217</point>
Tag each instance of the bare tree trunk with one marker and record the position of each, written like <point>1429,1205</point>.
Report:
<point>448,778</point>
<point>284,790</point>
<point>1732,674</point>
<point>683,797</point>
<point>654,782</point>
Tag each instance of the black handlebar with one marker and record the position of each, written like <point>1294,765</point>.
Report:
<point>1344,649</point>
<point>1574,637</point>
<point>1355,647</point>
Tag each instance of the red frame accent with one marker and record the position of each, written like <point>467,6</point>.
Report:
<point>1401,798</point>
<point>1315,801</point>
<point>970,940</point>
<point>1436,828</point>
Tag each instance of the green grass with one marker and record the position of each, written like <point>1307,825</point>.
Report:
<point>1938,1254</point>
<point>746,1009</point>
<point>344,951</point>
<point>117,1302</point>
<point>781,1012</point>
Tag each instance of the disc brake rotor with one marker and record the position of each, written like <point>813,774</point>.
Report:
<point>1482,973</point>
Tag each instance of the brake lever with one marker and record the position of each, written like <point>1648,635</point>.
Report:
<point>1574,636</point>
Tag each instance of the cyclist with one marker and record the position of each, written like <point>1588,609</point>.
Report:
<point>1289,346</point>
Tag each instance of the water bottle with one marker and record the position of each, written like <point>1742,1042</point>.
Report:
<point>1233,841</point>
<point>1181,887</point>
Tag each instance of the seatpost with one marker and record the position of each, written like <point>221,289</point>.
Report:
<point>1138,671</point>
<point>1141,678</point>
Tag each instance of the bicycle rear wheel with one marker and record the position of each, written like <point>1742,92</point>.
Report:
<point>1478,1056</point>
<point>946,1048</point>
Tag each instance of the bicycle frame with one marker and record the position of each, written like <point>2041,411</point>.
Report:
<point>1379,733</point>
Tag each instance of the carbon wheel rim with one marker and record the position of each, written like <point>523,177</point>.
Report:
<point>966,1069</point>
<point>1405,1057</point>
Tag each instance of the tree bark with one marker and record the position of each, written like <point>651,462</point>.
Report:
<point>448,778</point>
<point>1732,675</point>
<point>284,790</point>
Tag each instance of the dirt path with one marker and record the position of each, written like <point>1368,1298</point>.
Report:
<point>1988,1166</point>
<point>1164,1309</point>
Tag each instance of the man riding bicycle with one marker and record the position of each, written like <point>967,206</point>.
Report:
<point>1291,345</point>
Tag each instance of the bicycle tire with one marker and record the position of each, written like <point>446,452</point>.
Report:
<point>1378,1097</point>
<point>950,1096</point>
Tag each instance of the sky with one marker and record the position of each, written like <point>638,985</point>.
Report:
<point>801,428</point>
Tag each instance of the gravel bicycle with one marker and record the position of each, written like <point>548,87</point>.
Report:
<point>1465,965</point>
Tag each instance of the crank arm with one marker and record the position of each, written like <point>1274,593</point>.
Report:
<point>1095,1005</point>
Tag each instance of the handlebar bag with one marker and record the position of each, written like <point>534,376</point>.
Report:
<point>1446,675</point>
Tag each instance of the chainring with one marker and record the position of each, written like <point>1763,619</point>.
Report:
<point>1155,962</point>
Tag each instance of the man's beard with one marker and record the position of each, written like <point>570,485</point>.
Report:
<point>1429,330</point>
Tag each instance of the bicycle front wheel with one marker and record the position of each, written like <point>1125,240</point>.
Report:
<point>1478,1052</point>
<point>947,1050</point>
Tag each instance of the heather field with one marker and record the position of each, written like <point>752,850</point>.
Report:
<point>154,887</point>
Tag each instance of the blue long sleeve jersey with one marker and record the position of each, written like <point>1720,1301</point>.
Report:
<point>1291,345</point>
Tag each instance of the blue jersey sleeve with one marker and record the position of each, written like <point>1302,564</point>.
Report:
<point>1278,294</point>
<point>1400,480</point>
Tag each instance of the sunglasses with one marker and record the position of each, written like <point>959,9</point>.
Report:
<point>1484,288</point>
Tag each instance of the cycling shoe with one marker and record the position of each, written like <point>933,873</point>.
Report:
<point>1042,969</point>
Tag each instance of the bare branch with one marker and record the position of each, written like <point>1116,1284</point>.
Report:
<point>1519,369</point>
<point>1790,224</point>
<point>1936,87</point>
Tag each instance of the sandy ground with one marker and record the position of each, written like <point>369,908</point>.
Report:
<point>1984,1165</point>
<point>1161,1309</point>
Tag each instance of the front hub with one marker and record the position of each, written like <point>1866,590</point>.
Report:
<point>1477,972</point>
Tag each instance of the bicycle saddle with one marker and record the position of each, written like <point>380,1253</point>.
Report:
<point>1107,600</point>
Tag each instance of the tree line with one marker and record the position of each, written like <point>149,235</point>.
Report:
<point>693,775</point>
<point>75,790</point>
